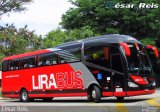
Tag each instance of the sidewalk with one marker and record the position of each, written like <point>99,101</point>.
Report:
<point>2,98</point>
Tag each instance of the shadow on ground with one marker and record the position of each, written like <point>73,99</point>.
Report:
<point>85,101</point>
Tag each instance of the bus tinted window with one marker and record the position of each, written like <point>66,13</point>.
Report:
<point>66,57</point>
<point>47,59</point>
<point>14,65</point>
<point>29,62</point>
<point>5,66</point>
<point>77,53</point>
<point>61,60</point>
<point>116,60</point>
<point>97,55</point>
<point>74,49</point>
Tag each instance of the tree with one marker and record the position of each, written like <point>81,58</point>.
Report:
<point>81,33</point>
<point>14,41</point>
<point>158,42</point>
<point>54,38</point>
<point>7,6</point>
<point>137,22</point>
<point>58,36</point>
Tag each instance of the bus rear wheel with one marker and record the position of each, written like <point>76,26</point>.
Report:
<point>95,94</point>
<point>24,96</point>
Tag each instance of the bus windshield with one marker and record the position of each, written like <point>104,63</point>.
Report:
<point>138,62</point>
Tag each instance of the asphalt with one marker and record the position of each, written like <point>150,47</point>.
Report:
<point>144,103</point>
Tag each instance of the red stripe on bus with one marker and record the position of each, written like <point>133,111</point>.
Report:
<point>58,95</point>
<point>26,54</point>
<point>107,93</point>
<point>140,92</point>
<point>129,93</point>
<point>11,96</point>
<point>119,93</point>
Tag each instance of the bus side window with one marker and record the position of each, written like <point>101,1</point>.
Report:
<point>117,62</point>
<point>5,66</point>
<point>26,65</point>
<point>14,65</point>
<point>32,62</point>
<point>97,55</point>
<point>39,63</point>
<point>67,56</point>
<point>47,59</point>
<point>28,62</point>
<point>48,62</point>
<point>54,59</point>
<point>61,60</point>
<point>76,53</point>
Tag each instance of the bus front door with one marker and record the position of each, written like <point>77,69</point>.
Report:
<point>118,77</point>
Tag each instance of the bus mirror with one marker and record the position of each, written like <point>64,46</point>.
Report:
<point>154,49</point>
<point>126,48</point>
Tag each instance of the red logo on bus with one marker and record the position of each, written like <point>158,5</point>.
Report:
<point>59,80</point>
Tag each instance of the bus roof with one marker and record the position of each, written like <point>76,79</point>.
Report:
<point>30,54</point>
<point>111,38</point>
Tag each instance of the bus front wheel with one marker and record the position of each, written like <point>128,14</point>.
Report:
<point>96,94</point>
<point>24,96</point>
<point>89,97</point>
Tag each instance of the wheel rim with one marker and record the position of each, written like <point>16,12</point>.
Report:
<point>93,94</point>
<point>24,95</point>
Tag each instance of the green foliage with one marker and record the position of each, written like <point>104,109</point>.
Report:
<point>15,41</point>
<point>158,42</point>
<point>7,6</point>
<point>81,33</point>
<point>112,31</point>
<point>88,18</point>
<point>148,41</point>
<point>54,38</point>
<point>59,36</point>
<point>140,23</point>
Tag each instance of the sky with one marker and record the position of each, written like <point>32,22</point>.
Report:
<point>41,16</point>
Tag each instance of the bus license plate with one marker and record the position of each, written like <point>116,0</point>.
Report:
<point>119,89</point>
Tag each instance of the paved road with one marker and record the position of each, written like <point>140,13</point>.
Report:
<point>145,103</point>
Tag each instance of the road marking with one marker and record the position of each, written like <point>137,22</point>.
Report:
<point>157,98</point>
<point>153,102</point>
<point>121,107</point>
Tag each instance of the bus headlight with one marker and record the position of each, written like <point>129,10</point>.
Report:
<point>131,84</point>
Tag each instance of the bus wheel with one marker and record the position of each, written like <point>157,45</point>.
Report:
<point>96,94</point>
<point>120,98</point>
<point>24,96</point>
<point>48,99</point>
<point>89,97</point>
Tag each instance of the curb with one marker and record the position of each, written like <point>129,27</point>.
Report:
<point>2,98</point>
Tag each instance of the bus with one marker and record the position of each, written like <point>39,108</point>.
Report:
<point>105,66</point>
